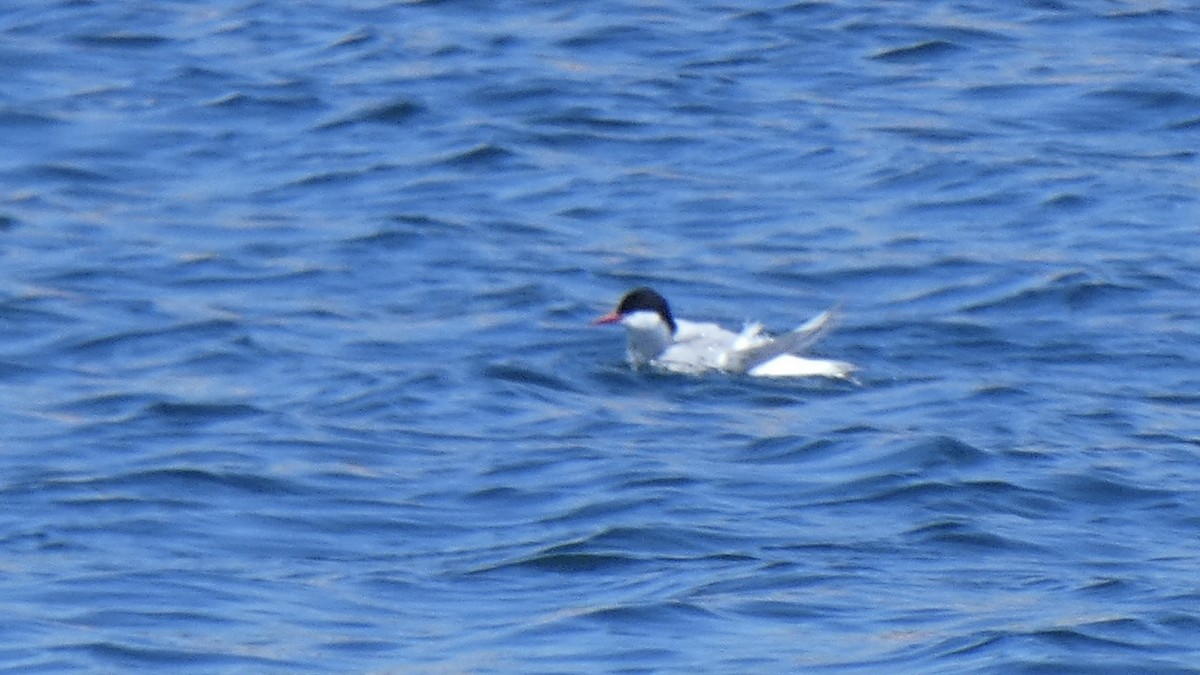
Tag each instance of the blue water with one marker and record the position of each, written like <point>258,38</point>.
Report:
<point>296,376</point>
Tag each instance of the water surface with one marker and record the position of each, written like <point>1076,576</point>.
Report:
<point>295,374</point>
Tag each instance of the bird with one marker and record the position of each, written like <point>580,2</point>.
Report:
<point>658,340</point>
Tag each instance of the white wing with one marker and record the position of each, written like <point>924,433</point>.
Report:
<point>752,349</point>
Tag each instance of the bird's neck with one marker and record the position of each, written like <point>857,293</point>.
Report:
<point>649,337</point>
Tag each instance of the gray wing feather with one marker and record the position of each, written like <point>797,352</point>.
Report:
<point>792,342</point>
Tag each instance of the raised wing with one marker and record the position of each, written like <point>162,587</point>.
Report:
<point>751,349</point>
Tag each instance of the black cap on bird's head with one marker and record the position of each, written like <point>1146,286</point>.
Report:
<point>640,300</point>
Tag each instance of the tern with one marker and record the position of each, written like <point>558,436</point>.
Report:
<point>659,340</point>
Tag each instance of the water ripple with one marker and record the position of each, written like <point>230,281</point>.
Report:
<point>299,378</point>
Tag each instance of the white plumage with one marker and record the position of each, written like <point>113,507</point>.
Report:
<point>657,339</point>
